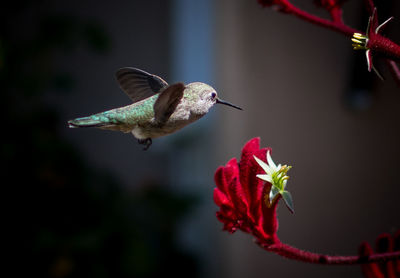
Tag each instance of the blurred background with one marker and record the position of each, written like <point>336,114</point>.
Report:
<point>92,203</point>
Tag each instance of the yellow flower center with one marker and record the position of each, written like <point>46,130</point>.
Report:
<point>359,41</point>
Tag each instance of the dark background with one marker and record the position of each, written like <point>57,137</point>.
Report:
<point>91,203</point>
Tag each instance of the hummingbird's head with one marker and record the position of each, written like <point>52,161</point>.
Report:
<point>205,97</point>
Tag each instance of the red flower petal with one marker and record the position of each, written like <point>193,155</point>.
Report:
<point>249,169</point>
<point>232,170</point>
<point>220,198</point>
<point>269,220</point>
<point>396,247</point>
<point>369,270</point>
<point>373,23</point>
<point>224,175</point>
<point>228,223</point>
<point>251,146</point>
<point>384,243</point>
<point>220,181</point>
<point>237,197</point>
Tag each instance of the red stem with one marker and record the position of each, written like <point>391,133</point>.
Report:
<point>336,15</point>
<point>384,46</point>
<point>336,25</point>
<point>291,252</point>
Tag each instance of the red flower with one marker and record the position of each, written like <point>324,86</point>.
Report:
<point>374,43</point>
<point>241,196</point>
<point>385,243</point>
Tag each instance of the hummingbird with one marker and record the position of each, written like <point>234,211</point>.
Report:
<point>158,108</point>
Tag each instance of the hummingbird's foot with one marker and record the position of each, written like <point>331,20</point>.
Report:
<point>146,142</point>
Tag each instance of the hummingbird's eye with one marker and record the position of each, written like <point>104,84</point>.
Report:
<point>213,95</point>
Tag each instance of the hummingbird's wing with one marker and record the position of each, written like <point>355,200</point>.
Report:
<point>167,101</point>
<point>138,84</point>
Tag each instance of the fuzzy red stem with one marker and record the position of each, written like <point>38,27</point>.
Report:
<point>336,25</point>
<point>336,15</point>
<point>291,252</point>
<point>384,46</point>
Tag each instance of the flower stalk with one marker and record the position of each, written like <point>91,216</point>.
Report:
<point>294,253</point>
<point>336,24</point>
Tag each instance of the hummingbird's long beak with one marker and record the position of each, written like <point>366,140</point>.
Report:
<point>220,101</point>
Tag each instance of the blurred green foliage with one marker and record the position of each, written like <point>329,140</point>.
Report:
<point>63,218</point>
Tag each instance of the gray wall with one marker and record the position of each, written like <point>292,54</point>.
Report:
<point>290,77</point>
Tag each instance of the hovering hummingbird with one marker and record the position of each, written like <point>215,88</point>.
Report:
<point>158,109</point>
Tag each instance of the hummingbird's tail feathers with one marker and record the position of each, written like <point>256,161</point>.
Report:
<point>86,122</point>
<point>98,121</point>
